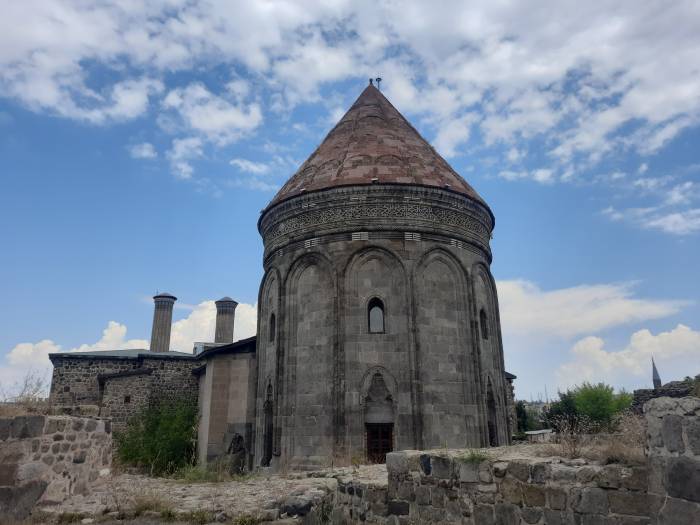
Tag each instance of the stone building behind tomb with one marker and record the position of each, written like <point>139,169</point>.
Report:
<point>378,321</point>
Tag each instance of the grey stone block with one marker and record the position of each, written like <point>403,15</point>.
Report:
<point>27,427</point>
<point>5,426</point>
<point>556,498</point>
<point>17,502</point>
<point>634,503</point>
<point>531,515</point>
<point>679,512</point>
<point>672,433</point>
<point>683,478</point>
<point>507,514</point>
<point>553,517</point>
<point>442,467</point>
<point>483,515</point>
<point>592,501</point>
<point>398,507</point>
<point>519,470</point>
<point>692,430</point>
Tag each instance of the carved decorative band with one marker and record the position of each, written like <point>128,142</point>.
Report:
<point>340,214</point>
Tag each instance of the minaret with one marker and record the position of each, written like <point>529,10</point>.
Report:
<point>225,312</point>
<point>162,321</point>
<point>655,375</point>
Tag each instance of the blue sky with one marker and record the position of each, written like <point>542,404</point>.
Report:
<point>138,145</point>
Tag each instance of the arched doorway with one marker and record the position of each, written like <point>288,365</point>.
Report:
<point>491,411</point>
<point>267,425</point>
<point>379,420</point>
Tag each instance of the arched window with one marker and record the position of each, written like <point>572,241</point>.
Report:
<point>375,316</point>
<point>273,327</point>
<point>484,322</point>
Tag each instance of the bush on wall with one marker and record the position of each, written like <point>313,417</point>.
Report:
<point>161,439</point>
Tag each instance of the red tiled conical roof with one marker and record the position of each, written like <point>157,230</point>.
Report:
<point>374,141</point>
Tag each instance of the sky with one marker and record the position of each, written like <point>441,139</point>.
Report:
<point>140,140</point>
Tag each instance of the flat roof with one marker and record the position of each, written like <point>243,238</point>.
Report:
<point>241,346</point>
<point>135,353</point>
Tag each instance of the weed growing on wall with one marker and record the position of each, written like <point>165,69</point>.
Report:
<point>161,439</point>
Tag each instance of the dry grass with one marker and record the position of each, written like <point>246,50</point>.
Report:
<point>26,396</point>
<point>625,446</point>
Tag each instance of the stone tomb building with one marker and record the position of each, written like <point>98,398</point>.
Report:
<point>378,322</point>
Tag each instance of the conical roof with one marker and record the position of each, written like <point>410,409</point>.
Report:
<point>374,143</point>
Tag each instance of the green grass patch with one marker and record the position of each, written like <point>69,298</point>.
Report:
<point>472,456</point>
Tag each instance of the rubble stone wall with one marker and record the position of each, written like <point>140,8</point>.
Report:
<point>107,384</point>
<point>46,459</point>
<point>451,487</point>
<point>125,396</point>
<point>673,449</point>
<point>672,389</point>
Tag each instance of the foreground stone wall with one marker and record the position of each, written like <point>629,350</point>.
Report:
<point>46,459</point>
<point>673,448</point>
<point>437,487</point>
<point>453,487</point>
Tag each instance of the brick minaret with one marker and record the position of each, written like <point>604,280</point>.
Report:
<point>162,321</point>
<point>225,312</point>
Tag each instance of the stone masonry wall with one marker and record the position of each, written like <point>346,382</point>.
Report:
<point>45,459</point>
<point>446,487</point>
<point>673,447</point>
<point>439,487</point>
<point>97,382</point>
<point>672,389</point>
<point>124,396</point>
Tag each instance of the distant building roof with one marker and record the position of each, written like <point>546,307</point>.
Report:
<point>242,346</point>
<point>135,353</point>
<point>511,376</point>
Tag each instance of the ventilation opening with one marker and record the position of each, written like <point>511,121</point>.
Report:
<point>127,400</point>
<point>484,323</point>
<point>273,328</point>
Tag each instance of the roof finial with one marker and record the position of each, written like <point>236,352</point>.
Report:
<point>379,81</point>
<point>371,82</point>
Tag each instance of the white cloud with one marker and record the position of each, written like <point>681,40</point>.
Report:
<point>144,150</point>
<point>586,82</point>
<point>182,152</point>
<point>526,310</point>
<point>213,117</point>
<point>197,326</point>
<point>34,357</point>
<point>249,166</point>
<point>673,352</point>
<point>451,135</point>
<point>541,175</point>
<point>677,223</point>
<point>538,326</point>
<point>683,222</point>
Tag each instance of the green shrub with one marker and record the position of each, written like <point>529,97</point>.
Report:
<point>160,439</point>
<point>472,456</point>
<point>597,403</point>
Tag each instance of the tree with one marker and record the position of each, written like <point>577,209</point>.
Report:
<point>522,416</point>
<point>564,409</point>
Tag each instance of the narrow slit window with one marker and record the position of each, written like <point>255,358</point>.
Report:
<point>484,322</point>
<point>127,400</point>
<point>273,327</point>
<point>375,316</point>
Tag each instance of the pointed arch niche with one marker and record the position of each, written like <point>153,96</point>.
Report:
<point>378,400</point>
